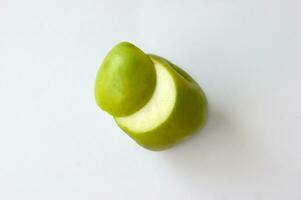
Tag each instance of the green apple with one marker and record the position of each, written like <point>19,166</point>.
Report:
<point>125,81</point>
<point>176,108</point>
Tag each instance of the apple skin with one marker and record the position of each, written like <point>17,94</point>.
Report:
<point>125,81</point>
<point>188,115</point>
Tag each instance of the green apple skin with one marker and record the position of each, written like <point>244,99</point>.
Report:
<point>188,115</point>
<point>125,81</point>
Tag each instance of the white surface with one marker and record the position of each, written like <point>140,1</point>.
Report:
<point>56,144</point>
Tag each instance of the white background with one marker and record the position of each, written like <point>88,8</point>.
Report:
<point>55,143</point>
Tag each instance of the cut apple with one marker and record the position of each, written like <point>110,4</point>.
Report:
<point>116,86</point>
<point>151,99</point>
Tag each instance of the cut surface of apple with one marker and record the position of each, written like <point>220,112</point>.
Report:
<point>158,108</point>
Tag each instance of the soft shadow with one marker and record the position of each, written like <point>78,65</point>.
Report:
<point>221,148</point>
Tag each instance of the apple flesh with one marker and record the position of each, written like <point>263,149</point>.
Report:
<point>154,101</point>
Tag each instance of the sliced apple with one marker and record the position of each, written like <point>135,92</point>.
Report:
<point>154,101</point>
<point>176,109</point>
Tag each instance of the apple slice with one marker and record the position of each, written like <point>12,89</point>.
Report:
<point>125,81</point>
<point>176,109</point>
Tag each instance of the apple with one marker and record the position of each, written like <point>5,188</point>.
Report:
<point>176,108</point>
<point>125,81</point>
